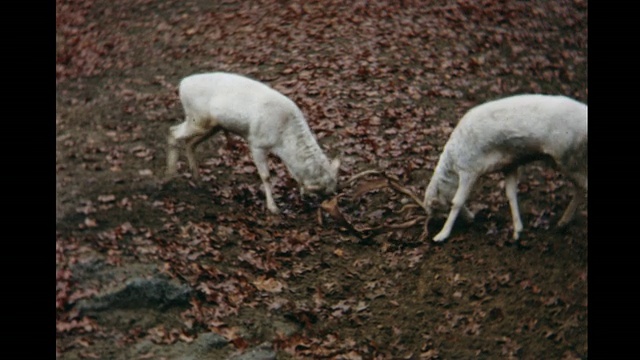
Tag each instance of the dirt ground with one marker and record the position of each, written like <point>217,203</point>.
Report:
<point>382,83</point>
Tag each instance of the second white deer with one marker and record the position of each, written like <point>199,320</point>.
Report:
<point>503,135</point>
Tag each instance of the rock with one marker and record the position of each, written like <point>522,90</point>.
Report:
<point>87,268</point>
<point>154,293</point>
<point>208,341</point>
<point>263,351</point>
<point>285,328</point>
<point>144,346</point>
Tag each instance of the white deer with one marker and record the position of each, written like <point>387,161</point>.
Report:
<point>503,135</point>
<point>265,118</point>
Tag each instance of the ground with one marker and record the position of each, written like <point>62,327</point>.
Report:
<point>382,84</point>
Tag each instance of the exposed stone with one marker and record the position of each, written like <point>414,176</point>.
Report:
<point>154,293</point>
<point>263,351</point>
<point>208,341</point>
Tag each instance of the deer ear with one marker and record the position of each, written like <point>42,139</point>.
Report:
<point>335,165</point>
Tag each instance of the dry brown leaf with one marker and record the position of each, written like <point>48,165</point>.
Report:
<point>331,207</point>
<point>268,284</point>
<point>106,198</point>
<point>88,222</point>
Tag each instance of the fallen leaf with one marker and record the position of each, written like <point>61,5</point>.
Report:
<point>106,198</point>
<point>268,284</point>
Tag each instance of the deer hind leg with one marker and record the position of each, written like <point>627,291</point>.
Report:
<point>511,189</point>
<point>184,131</point>
<point>172,151</point>
<point>260,159</point>
<point>577,192</point>
<point>465,185</point>
<point>190,150</point>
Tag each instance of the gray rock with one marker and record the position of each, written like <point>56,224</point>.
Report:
<point>285,328</point>
<point>185,357</point>
<point>144,346</point>
<point>155,293</point>
<point>87,268</point>
<point>208,341</point>
<point>263,351</point>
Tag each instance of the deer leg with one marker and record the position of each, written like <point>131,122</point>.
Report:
<point>568,214</point>
<point>511,189</point>
<point>172,153</point>
<point>465,185</point>
<point>190,150</point>
<point>578,192</point>
<point>260,159</point>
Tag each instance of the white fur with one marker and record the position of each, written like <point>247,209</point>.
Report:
<point>266,119</point>
<point>502,135</point>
